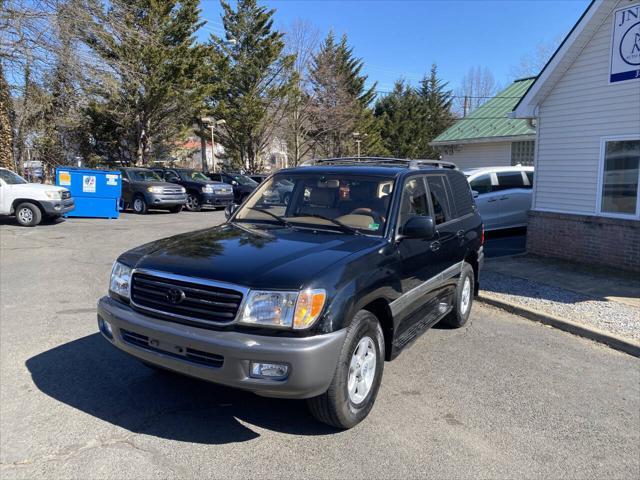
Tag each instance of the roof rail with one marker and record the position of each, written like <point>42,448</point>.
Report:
<point>413,164</point>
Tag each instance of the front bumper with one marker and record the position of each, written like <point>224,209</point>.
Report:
<point>165,200</point>
<point>216,199</point>
<point>312,360</point>
<point>57,207</point>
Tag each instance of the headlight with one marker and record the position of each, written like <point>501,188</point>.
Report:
<point>183,190</point>
<point>297,310</point>
<point>207,189</point>
<point>54,194</point>
<point>120,280</point>
<point>155,189</point>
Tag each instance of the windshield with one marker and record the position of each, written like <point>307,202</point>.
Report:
<point>11,178</point>
<point>243,180</point>
<point>144,176</point>
<point>351,204</point>
<point>194,175</point>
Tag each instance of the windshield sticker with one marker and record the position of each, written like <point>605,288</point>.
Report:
<point>374,226</point>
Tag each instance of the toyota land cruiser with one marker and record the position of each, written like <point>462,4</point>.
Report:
<point>306,299</point>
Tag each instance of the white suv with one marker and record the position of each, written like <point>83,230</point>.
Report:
<point>503,195</point>
<point>30,202</point>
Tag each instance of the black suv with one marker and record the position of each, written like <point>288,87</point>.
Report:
<point>143,189</point>
<point>242,185</point>
<point>307,299</point>
<point>200,189</point>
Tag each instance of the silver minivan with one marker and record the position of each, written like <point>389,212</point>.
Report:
<point>503,195</point>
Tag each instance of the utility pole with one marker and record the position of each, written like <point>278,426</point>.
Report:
<point>212,123</point>
<point>358,139</point>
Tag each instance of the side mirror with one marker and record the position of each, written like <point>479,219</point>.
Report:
<point>475,193</point>
<point>125,180</point>
<point>230,210</point>
<point>419,227</point>
<point>234,183</point>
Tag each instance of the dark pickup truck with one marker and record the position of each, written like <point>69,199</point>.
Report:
<point>201,191</point>
<point>308,299</point>
<point>143,189</point>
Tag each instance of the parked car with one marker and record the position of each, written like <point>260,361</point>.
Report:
<point>305,300</point>
<point>201,191</point>
<point>503,195</point>
<point>242,185</point>
<point>280,191</point>
<point>259,177</point>
<point>143,189</point>
<point>31,202</point>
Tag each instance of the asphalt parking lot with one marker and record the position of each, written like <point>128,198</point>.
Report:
<point>501,398</point>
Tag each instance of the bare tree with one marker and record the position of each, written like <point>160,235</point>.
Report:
<point>532,63</point>
<point>301,41</point>
<point>477,86</point>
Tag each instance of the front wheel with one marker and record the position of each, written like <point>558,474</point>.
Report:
<point>193,202</point>
<point>140,205</point>
<point>357,378</point>
<point>28,214</point>
<point>463,299</point>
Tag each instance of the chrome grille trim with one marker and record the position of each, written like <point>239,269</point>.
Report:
<point>191,280</point>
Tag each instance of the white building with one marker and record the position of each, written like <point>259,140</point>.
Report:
<point>487,137</point>
<point>586,104</point>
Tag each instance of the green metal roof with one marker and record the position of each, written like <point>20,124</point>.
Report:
<point>490,119</point>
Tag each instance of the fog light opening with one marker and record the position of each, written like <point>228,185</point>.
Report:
<point>271,371</point>
<point>105,328</point>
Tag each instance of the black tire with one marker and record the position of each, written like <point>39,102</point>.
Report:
<point>193,202</point>
<point>459,316</point>
<point>176,209</point>
<point>140,205</point>
<point>336,407</point>
<point>28,214</point>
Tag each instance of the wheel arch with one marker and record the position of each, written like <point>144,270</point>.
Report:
<point>380,308</point>
<point>18,201</point>
<point>472,259</point>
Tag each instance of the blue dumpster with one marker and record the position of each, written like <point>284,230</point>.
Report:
<point>96,192</point>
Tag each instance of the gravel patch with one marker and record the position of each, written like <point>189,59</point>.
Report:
<point>606,315</point>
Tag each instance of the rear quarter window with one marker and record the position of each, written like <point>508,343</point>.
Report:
<point>463,203</point>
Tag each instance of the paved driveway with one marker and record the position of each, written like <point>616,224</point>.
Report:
<point>502,398</point>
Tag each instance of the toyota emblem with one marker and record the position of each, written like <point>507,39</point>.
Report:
<point>174,296</point>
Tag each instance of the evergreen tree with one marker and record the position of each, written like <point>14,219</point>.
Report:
<point>251,82</point>
<point>437,101</point>
<point>156,86</point>
<point>341,102</point>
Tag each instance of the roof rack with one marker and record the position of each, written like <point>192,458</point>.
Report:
<point>413,164</point>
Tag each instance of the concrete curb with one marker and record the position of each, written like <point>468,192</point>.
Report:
<point>614,341</point>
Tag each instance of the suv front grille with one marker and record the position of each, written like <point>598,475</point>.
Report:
<point>187,300</point>
<point>172,190</point>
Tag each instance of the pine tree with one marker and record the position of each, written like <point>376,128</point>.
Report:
<point>6,129</point>
<point>437,101</point>
<point>341,102</point>
<point>156,88</point>
<point>252,80</point>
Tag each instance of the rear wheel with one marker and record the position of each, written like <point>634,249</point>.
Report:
<point>357,378</point>
<point>140,205</point>
<point>463,299</point>
<point>28,214</point>
<point>193,202</point>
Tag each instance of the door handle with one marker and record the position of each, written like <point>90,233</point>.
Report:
<point>460,233</point>
<point>435,246</point>
<point>492,200</point>
<point>504,198</point>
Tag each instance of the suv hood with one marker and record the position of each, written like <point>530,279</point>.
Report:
<point>250,255</point>
<point>40,187</point>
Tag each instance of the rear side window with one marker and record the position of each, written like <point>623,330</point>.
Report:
<point>507,180</point>
<point>462,203</point>
<point>439,200</point>
<point>481,184</point>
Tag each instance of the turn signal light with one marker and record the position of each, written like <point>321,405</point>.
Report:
<point>308,308</point>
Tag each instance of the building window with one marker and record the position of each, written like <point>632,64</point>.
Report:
<point>522,153</point>
<point>620,177</point>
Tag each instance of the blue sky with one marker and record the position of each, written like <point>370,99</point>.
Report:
<point>401,38</point>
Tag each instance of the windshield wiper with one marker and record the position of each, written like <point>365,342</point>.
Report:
<point>273,215</point>
<point>343,227</point>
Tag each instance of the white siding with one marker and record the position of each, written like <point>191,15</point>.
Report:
<point>582,108</point>
<point>474,155</point>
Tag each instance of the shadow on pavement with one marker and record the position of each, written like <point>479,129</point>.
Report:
<point>91,375</point>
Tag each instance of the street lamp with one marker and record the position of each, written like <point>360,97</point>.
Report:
<point>358,137</point>
<point>212,123</point>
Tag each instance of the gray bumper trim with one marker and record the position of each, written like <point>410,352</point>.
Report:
<point>312,360</point>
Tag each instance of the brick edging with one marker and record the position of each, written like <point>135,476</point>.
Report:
<point>614,341</point>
